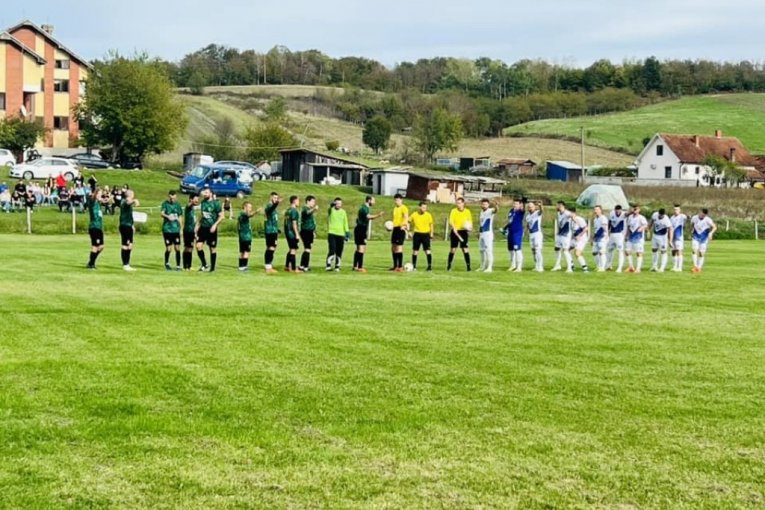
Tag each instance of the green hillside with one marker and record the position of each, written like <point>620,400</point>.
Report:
<point>740,115</point>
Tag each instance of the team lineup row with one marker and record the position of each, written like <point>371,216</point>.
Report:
<point>615,237</point>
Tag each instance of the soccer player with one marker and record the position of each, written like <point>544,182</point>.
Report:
<point>486,235</point>
<point>703,231</point>
<point>424,228</point>
<point>307,231</point>
<point>172,214</point>
<point>617,221</point>
<point>338,232</point>
<point>579,238</point>
<point>534,227</point>
<point>678,220</point>
<point>292,233</point>
<point>636,227</point>
<point>661,226</point>
<point>244,229</point>
<point>271,230</point>
<point>514,232</point>
<point>360,232</point>
<point>95,227</point>
<point>460,223</point>
<point>127,229</point>
<point>563,237</point>
<point>398,236</point>
<point>207,230</point>
<point>189,230</point>
<point>599,238</point>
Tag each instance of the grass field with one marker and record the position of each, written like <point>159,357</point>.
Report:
<point>737,115</point>
<point>224,390</point>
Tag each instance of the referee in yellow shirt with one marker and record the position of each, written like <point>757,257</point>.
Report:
<point>422,224</point>
<point>398,236</point>
<point>460,223</point>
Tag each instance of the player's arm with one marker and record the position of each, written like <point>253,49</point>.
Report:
<point>375,216</point>
<point>712,232</point>
<point>405,226</point>
<point>432,228</point>
<point>296,229</point>
<point>164,215</point>
<point>221,215</point>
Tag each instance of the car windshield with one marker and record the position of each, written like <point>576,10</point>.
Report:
<point>198,172</point>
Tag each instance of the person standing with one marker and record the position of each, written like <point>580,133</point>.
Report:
<point>661,226</point>
<point>207,229</point>
<point>398,235</point>
<point>307,231</point>
<point>127,227</point>
<point>244,230</point>
<point>338,232</point>
<point>599,239</point>
<point>678,220</point>
<point>617,223</point>
<point>703,232</point>
<point>292,233</point>
<point>172,214</point>
<point>424,229</point>
<point>486,236</point>
<point>95,227</point>
<point>536,238</point>
<point>360,232</point>
<point>271,227</point>
<point>579,238</point>
<point>514,232</point>
<point>636,227</point>
<point>460,223</point>
<point>189,230</point>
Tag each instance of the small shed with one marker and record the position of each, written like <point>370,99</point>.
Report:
<point>305,165</point>
<point>469,163</point>
<point>516,168</point>
<point>477,188</point>
<point>435,188</point>
<point>564,171</point>
<point>389,181</point>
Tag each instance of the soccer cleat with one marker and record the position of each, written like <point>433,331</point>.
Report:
<point>128,269</point>
<point>556,268</point>
<point>630,269</point>
<point>569,270</point>
<point>518,270</point>
<point>429,270</point>
<point>695,269</point>
<point>177,268</point>
<point>168,267</point>
<point>539,270</point>
<point>298,270</point>
<point>399,270</point>
<point>287,270</point>
<point>203,269</point>
<point>637,271</point>
<point>490,270</point>
<point>271,270</point>
<point>337,269</point>
<point>654,270</point>
<point>90,266</point>
<point>328,269</point>
<point>361,270</point>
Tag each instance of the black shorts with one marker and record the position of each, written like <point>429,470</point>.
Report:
<point>96,236</point>
<point>293,243</point>
<point>398,236</point>
<point>126,233</point>
<point>308,237</point>
<point>455,242</point>
<point>272,240</point>
<point>188,239</point>
<point>204,236</point>
<point>245,246</point>
<point>421,241</point>
<point>360,235</point>
<point>172,239</point>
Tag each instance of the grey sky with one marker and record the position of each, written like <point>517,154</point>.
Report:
<point>574,32</point>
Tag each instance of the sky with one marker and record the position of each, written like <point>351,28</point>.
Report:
<point>567,32</point>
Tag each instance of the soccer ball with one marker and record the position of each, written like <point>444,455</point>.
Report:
<point>408,267</point>
<point>389,225</point>
<point>468,225</point>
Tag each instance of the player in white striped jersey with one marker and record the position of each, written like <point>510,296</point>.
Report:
<point>580,236</point>
<point>678,220</point>
<point>563,237</point>
<point>617,223</point>
<point>703,230</point>
<point>486,235</point>
<point>636,227</point>
<point>661,227</point>
<point>534,227</point>
<point>599,238</point>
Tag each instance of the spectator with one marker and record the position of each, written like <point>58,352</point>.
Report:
<point>37,192</point>
<point>79,181</point>
<point>3,187</point>
<point>60,182</point>
<point>50,182</point>
<point>117,195</point>
<point>29,200</point>
<point>19,194</point>
<point>5,200</point>
<point>53,197</point>
<point>63,199</point>
<point>106,200</point>
<point>78,198</point>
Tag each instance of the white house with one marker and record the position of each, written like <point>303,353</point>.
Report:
<point>390,181</point>
<point>678,160</point>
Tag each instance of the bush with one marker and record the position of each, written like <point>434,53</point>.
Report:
<point>332,145</point>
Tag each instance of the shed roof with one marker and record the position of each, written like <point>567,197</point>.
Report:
<point>568,165</point>
<point>323,154</point>
<point>695,148</point>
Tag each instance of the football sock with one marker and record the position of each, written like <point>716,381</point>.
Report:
<point>414,261</point>
<point>655,259</point>
<point>569,261</point>
<point>213,260</point>
<point>680,262</point>
<point>269,257</point>
<point>582,262</point>
<point>489,259</point>
<point>93,256</point>
<point>177,259</point>
<point>701,261</point>
<point>482,255</point>
<point>305,259</point>
<point>609,258</point>
<point>245,262</point>
<point>293,261</point>
<point>430,260</point>
<point>400,257</point>
<point>241,262</point>
<point>512,259</point>
<point>361,260</point>
<point>664,258</point>
<point>202,258</point>
<point>621,260</point>
<point>187,257</point>
<point>467,261</point>
<point>167,257</point>
<point>518,259</point>
<point>629,260</point>
<point>639,263</point>
<point>695,260</point>
<point>558,255</point>
<point>395,258</point>
<point>451,259</point>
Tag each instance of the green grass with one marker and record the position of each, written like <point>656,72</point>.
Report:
<point>172,390</point>
<point>739,115</point>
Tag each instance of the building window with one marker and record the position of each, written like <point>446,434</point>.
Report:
<point>62,64</point>
<point>2,100</point>
<point>667,172</point>
<point>60,85</point>
<point>659,150</point>
<point>61,123</point>
<point>698,170</point>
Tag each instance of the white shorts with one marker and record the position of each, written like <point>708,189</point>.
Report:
<point>562,242</point>
<point>600,246</point>
<point>535,240</point>
<point>616,242</point>
<point>678,244</point>
<point>635,246</point>
<point>486,241</point>
<point>579,243</point>
<point>660,243</point>
<point>699,246</point>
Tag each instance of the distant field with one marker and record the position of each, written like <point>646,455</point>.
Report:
<point>740,115</point>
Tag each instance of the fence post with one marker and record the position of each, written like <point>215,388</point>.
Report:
<point>446,230</point>
<point>727,225</point>
<point>756,231</point>
<point>29,220</point>
<point>74,220</point>
<point>369,230</point>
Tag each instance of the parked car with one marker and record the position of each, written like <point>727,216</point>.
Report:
<point>130,163</point>
<point>46,167</point>
<point>248,169</point>
<point>91,160</point>
<point>7,158</point>
<point>223,181</point>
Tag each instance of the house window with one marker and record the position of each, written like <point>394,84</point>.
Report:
<point>667,172</point>
<point>62,64</point>
<point>61,86</point>
<point>659,150</point>
<point>2,100</point>
<point>698,170</point>
<point>61,123</point>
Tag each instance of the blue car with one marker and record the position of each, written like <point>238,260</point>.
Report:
<point>222,180</point>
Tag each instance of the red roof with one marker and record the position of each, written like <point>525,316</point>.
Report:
<point>695,148</point>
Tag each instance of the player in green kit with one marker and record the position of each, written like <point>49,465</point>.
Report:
<point>127,229</point>
<point>307,231</point>
<point>292,233</point>
<point>245,235</point>
<point>189,230</point>
<point>207,229</point>
<point>360,232</point>
<point>95,227</point>
<point>338,233</point>
<point>271,228</point>
<point>172,214</point>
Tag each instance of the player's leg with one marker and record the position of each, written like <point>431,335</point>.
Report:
<point>610,254</point>
<point>201,249</point>
<point>453,243</point>
<point>628,254</point>
<point>518,252</point>
<point>558,253</point>
<point>489,246</point>
<point>331,248</point>
<point>481,253</point>
<point>567,255</point>
<point>339,246</point>
<point>465,249</point>
<point>417,242</point>
<point>579,252</point>
<point>212,243</point>
<point>639,255</point>
<point>168,248</point>
<point>654,258</point>
<point>702,255</point>
<point>270,254</point>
